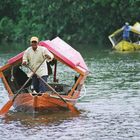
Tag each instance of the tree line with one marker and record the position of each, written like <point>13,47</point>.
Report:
<point>80,21</point>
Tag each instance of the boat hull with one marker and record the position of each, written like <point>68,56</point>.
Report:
<point>126,46</point>
<point>29,103</point>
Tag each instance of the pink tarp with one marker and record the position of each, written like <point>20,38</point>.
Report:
<point>63,51</point>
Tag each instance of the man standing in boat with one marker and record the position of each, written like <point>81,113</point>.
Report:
<point>126,32</point>
<point>33,57</point>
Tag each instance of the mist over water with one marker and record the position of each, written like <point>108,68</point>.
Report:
<point>110,110</point>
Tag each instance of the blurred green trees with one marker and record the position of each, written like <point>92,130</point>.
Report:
<point>81,21</point>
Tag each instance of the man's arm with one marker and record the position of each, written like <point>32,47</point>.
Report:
<point>24,58</point>
<point>48,55</point>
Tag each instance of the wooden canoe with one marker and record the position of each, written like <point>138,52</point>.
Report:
<point>13,77</point>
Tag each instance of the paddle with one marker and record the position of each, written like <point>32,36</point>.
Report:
<point>8,105</point>
<point>69,105</point>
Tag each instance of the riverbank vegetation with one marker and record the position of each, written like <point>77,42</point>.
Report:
<point>80,21</point>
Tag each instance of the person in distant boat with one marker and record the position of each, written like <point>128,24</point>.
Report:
<point>126,32</point>
<point>33,56</point>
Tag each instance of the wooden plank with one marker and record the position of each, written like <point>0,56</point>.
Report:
<point>0,74</point>
<point>6,84</point>
<point>9,65</point>
<point>76,84</point>
<point>4,67</point>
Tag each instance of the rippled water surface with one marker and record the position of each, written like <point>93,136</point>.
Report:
<point>110,110</point>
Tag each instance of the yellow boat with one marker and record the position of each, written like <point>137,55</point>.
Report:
<point>122,45</point>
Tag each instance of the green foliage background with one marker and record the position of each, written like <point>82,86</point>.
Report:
<point>81,21</point>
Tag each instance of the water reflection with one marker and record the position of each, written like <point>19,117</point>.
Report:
<point>37,119</point>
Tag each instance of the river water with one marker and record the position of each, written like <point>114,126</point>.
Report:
<point>110,110</point>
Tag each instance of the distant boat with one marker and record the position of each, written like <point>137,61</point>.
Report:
<point>27,100</point>
<point>122,45</point>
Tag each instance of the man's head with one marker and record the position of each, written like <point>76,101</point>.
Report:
<point>34,42</point>
<point>126,23</point>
